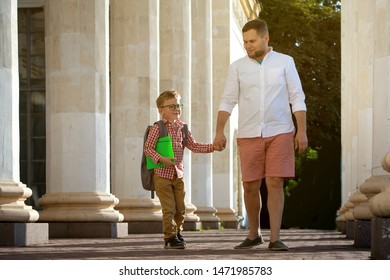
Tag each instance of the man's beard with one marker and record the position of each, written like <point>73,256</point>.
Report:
<point>257,54</point>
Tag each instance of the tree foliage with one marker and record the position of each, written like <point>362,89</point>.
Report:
<point>309,31</point>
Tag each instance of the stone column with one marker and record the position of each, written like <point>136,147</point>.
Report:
<point>201,108</point>
<point>357,99</point>
<point>341,221</point>
<point>362,224</point>
<point>134,89</point>
<point>78,202</point>
<point>379,205</point>
<point>365,94</point>
<point>364,90</point>
<point>226,175</point>
<point>14,213</point>
<point>175,73</point>
<point>380,229</point>
<point>350,220</point>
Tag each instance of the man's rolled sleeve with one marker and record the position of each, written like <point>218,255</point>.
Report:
<point>299,106</point>
<point>229,97</point>
<point>297,96</point>
<point>226,108</point>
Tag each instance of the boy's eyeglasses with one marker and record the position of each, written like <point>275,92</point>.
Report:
<point>174,107</point>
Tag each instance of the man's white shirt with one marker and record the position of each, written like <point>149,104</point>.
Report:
<point>263,94</point>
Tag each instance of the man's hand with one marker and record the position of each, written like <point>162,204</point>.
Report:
<point>219,143</point>
<point>301,142</point>
<point>219,146</point>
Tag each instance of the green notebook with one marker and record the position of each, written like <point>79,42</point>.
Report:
<point>164,148</point>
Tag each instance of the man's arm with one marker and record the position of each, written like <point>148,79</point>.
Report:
<point>220,138</point>
<point>301,141</point>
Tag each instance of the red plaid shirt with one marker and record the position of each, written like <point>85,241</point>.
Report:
<point>174,130</point>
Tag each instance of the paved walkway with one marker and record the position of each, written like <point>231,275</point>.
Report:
<point>201,245</point>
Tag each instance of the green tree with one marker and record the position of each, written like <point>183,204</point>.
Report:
<point>309,31</point>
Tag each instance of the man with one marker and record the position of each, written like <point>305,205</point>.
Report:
<point>264,84</point>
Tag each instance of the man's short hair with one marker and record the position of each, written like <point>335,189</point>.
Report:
<point>257,24</point>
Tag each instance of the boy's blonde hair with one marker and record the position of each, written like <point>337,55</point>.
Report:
<point>166,95</point>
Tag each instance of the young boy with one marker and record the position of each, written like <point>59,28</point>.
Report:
<point>168,180</point>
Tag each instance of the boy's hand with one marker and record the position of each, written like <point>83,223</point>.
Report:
<point>168,161</point>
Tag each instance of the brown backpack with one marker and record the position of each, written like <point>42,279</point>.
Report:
<point>147,175</point>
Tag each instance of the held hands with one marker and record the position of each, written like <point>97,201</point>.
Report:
<point>219,143</point>
<point>218,146</point>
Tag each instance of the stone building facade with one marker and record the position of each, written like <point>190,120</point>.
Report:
<point>366,124</point>
<point>79,80</point>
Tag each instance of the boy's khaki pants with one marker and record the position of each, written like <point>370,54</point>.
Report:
<point>171,194</point>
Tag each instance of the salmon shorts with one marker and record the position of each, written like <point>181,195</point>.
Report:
<point>267,157</point>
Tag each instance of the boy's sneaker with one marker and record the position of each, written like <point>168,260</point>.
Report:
<point>250,243</point>
<point>181,238</point>
<point>277,246</point>
<point>174,243</point>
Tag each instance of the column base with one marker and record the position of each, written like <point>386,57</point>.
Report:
<point>192,225</point>
<point>362,233</point>
<point>140,210</point>
<point>156,227</point>
<point>88,230</point>
<point>12,203</point>
<point>211,225</point>
<point>380,239</point>
<point>79,207</point>
<point>23,234</point>
<point>228,218</point>
<point>341,227</point>
<point>231,224</point>
<point>145,227</point>
<point>208,218</point>
<point>350,229</point>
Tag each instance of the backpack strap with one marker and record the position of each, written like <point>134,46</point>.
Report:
<point>184,131</point>
<point>164,132</point>
<point>163,128</point>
